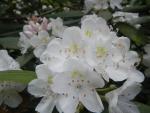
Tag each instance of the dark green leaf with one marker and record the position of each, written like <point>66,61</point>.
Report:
<point>20,76</point>
<point>106,14</point>
<point>135,35</point>
<point>67,14</point>
<point>143,108</point>
<point>9,42</point>
<point>9,27</point>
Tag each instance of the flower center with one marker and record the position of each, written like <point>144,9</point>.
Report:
<point>45,40</point>
<point>76,74</point>
<point>101,52</point>
<point>74,48</point>
<point>88,33</point>
<point>50,79</point>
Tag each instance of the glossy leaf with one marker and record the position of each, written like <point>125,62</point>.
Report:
<point>9,42</point>
<point>143,108</point>
<point>20,76</point>
<point>135,35</point>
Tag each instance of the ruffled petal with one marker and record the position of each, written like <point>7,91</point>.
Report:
<point>12,99</point>
<point>46,105</point>
<point>91,101</point>
<point>38,88</point>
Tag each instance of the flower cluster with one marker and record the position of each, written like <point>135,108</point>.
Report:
<point>36,34</point>
<point>80,61</point>
<point>9,89</point>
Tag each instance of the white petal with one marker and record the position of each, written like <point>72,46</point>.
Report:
<point>12,99</point>
<point>91,101</point>
<point>9,85</point>
<point>52,55</point>
<point>72,35</point>
<point>43,36</point>
<point>46,105</point>
<point>57,27</point>
<point>136,75</point>
<point>39,50</point>
<point>131,58</point>
<point>130,91</point>
<point>38,88</point>
<point>68,104</point>
<point>61,84</point>
<point>7,62</point>
<point>117,74</point>
<point>34,41</point>
<point>128,107</point>
<point>96,81</point>
<point>43,72</point>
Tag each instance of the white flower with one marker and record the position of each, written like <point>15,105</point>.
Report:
<point>57,27</point>
<point>78,82</point>
<point>7,62</point>
<point>124,62</point>
<point>9,90</point>
<point>102,4</point>
<point>119,16</point>
<point>40,42</point>
<point>146,59</point>
<point>59,50</point>
<point>34,35</point>
<point>94,27</point>
<point>95,4</point>
<point>119,99</point>
<point>115,3</point>
<point>41,87</point>
<point>124,16</point>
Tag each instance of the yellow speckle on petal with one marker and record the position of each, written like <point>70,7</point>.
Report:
<point>50,79</point>
<point>45,40</point>
<point>76,74</point>
<point>88,33</point>
<point>101,52</point>
<point>74,48</point>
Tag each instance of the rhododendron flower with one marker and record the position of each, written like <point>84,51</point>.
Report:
<point>41,87</point>
<point>120,99</point>
<point>37,35</point>
<point>78,82</point>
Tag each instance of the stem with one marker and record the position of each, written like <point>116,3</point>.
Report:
<point>106,90</point>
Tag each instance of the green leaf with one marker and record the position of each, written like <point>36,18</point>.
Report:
<point>67,14</point>
<point>9,27</point>
<point>20,76</point>
<point>9,42</point>
<point>106,14</point>
<point>143,108</point>
<point>135,35</point>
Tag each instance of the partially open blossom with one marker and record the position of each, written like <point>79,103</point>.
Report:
<point>37,34</point>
